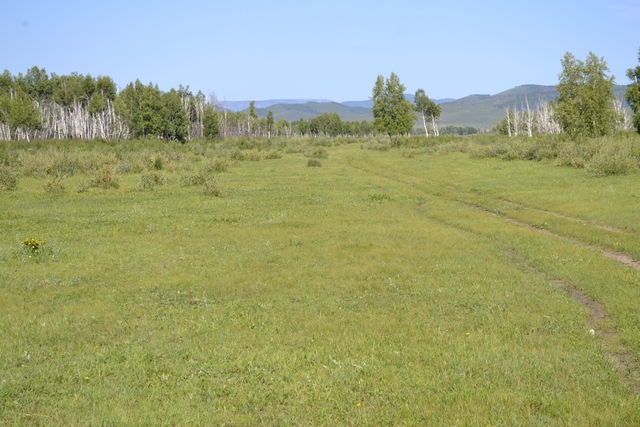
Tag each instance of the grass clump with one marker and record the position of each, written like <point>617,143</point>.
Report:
<point>150,180</point>
<point>193,179</point>
<point>314,163</point>
<point>55,184</point>
<point>106,177</point>
<point>219,164</point>
<point>8,179</point>
<point>317,152</point>
<point>211,187</point>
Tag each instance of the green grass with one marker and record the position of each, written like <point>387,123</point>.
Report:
<point>379,289</point>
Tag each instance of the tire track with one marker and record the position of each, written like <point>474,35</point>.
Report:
<point>599,322</point>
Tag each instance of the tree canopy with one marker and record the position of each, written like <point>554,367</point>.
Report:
<point>633,93</point>
<point>428,110</point>
<point>585,97</point>
<point>392,113</point>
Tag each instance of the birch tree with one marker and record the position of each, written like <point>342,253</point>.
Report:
<point>633,93</point>
<point>392,114</point>
<point>585,93</point>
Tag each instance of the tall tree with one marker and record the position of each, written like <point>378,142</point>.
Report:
<point>633,93</point>
<point>20,113</point>
<point>270,123</point>
<point>585,97</point>
<point>252,118</point>
<point>428,110</point>
<point>392,113</point>
<point>210,121</point>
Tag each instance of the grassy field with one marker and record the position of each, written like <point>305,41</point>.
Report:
<point>385,287</point>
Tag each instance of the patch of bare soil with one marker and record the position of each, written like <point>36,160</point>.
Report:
<point>623,258</point>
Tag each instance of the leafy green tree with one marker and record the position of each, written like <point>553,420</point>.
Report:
<point>18,110</point>
<point>37,84</point>
<point>633,93</point>
<point>270,123</point>
<point>585,97</point>
<point>104,91</point>
<point>210,122</point>
<point>252,118</point>
<point>174,119</point>
<point>392,113</point>
<point>328,124</point>
<point>428,110</point>
<point>149,112</point>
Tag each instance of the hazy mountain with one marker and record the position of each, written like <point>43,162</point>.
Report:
<point>484,111</point>
<point>312,109</point>
<point>369,103</point>
<point>241,105</point>
<point>479,111</point>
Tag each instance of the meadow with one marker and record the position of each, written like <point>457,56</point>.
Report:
<point>469,281</point>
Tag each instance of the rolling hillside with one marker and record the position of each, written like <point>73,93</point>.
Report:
<point>307,110</point>
<point>479,111</point>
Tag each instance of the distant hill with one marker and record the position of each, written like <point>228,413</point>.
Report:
<point>369,103</point>
<point>484,111</point>
<point>307,110</point>
<point>242,105</point>
<point>479,111</point>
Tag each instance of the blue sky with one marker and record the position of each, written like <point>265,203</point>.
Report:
<point>243,50</point>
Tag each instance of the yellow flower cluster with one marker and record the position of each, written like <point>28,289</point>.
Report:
<point>33,244</point>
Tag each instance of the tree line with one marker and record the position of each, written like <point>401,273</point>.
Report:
<point>586,105</point>
<point>38,105</point>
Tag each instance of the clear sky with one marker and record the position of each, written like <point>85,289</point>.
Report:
<point>244,50</point>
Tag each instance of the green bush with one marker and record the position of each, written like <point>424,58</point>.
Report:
<point>106,177</point>
<point>613,158</point>
<point>211,187</point>
<point>55,184</point>
<point>220,164</point>
<point>314,163</point>
<point>317,152</point>
<point>8,179</point>
<point>149,181</point>
<point>193,179</point>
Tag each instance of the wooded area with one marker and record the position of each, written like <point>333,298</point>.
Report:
<point>38,105</point>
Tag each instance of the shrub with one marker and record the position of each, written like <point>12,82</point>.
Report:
<point>317,152</point>
<point>157,162</point>
<point>149,181</point>
<point>272,155</point>
<point>55,184</point>
<point>220,164</point>
<point>614,158</point>
<point>106,177</point>
<point>314,163</point>
<point>8,180</point>
<point>211,187</point>
<point>576,154</point>
<point>193,179</point>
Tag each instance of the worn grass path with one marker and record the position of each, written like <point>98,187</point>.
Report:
<point>375,290</point>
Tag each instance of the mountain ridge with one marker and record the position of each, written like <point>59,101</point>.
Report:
<point>481,111</point>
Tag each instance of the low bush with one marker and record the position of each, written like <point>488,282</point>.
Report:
<point>106,177</point>
<point>55,184</point>
<point>8,179</point>
<point>150,180</point>
<point>211,187</point>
